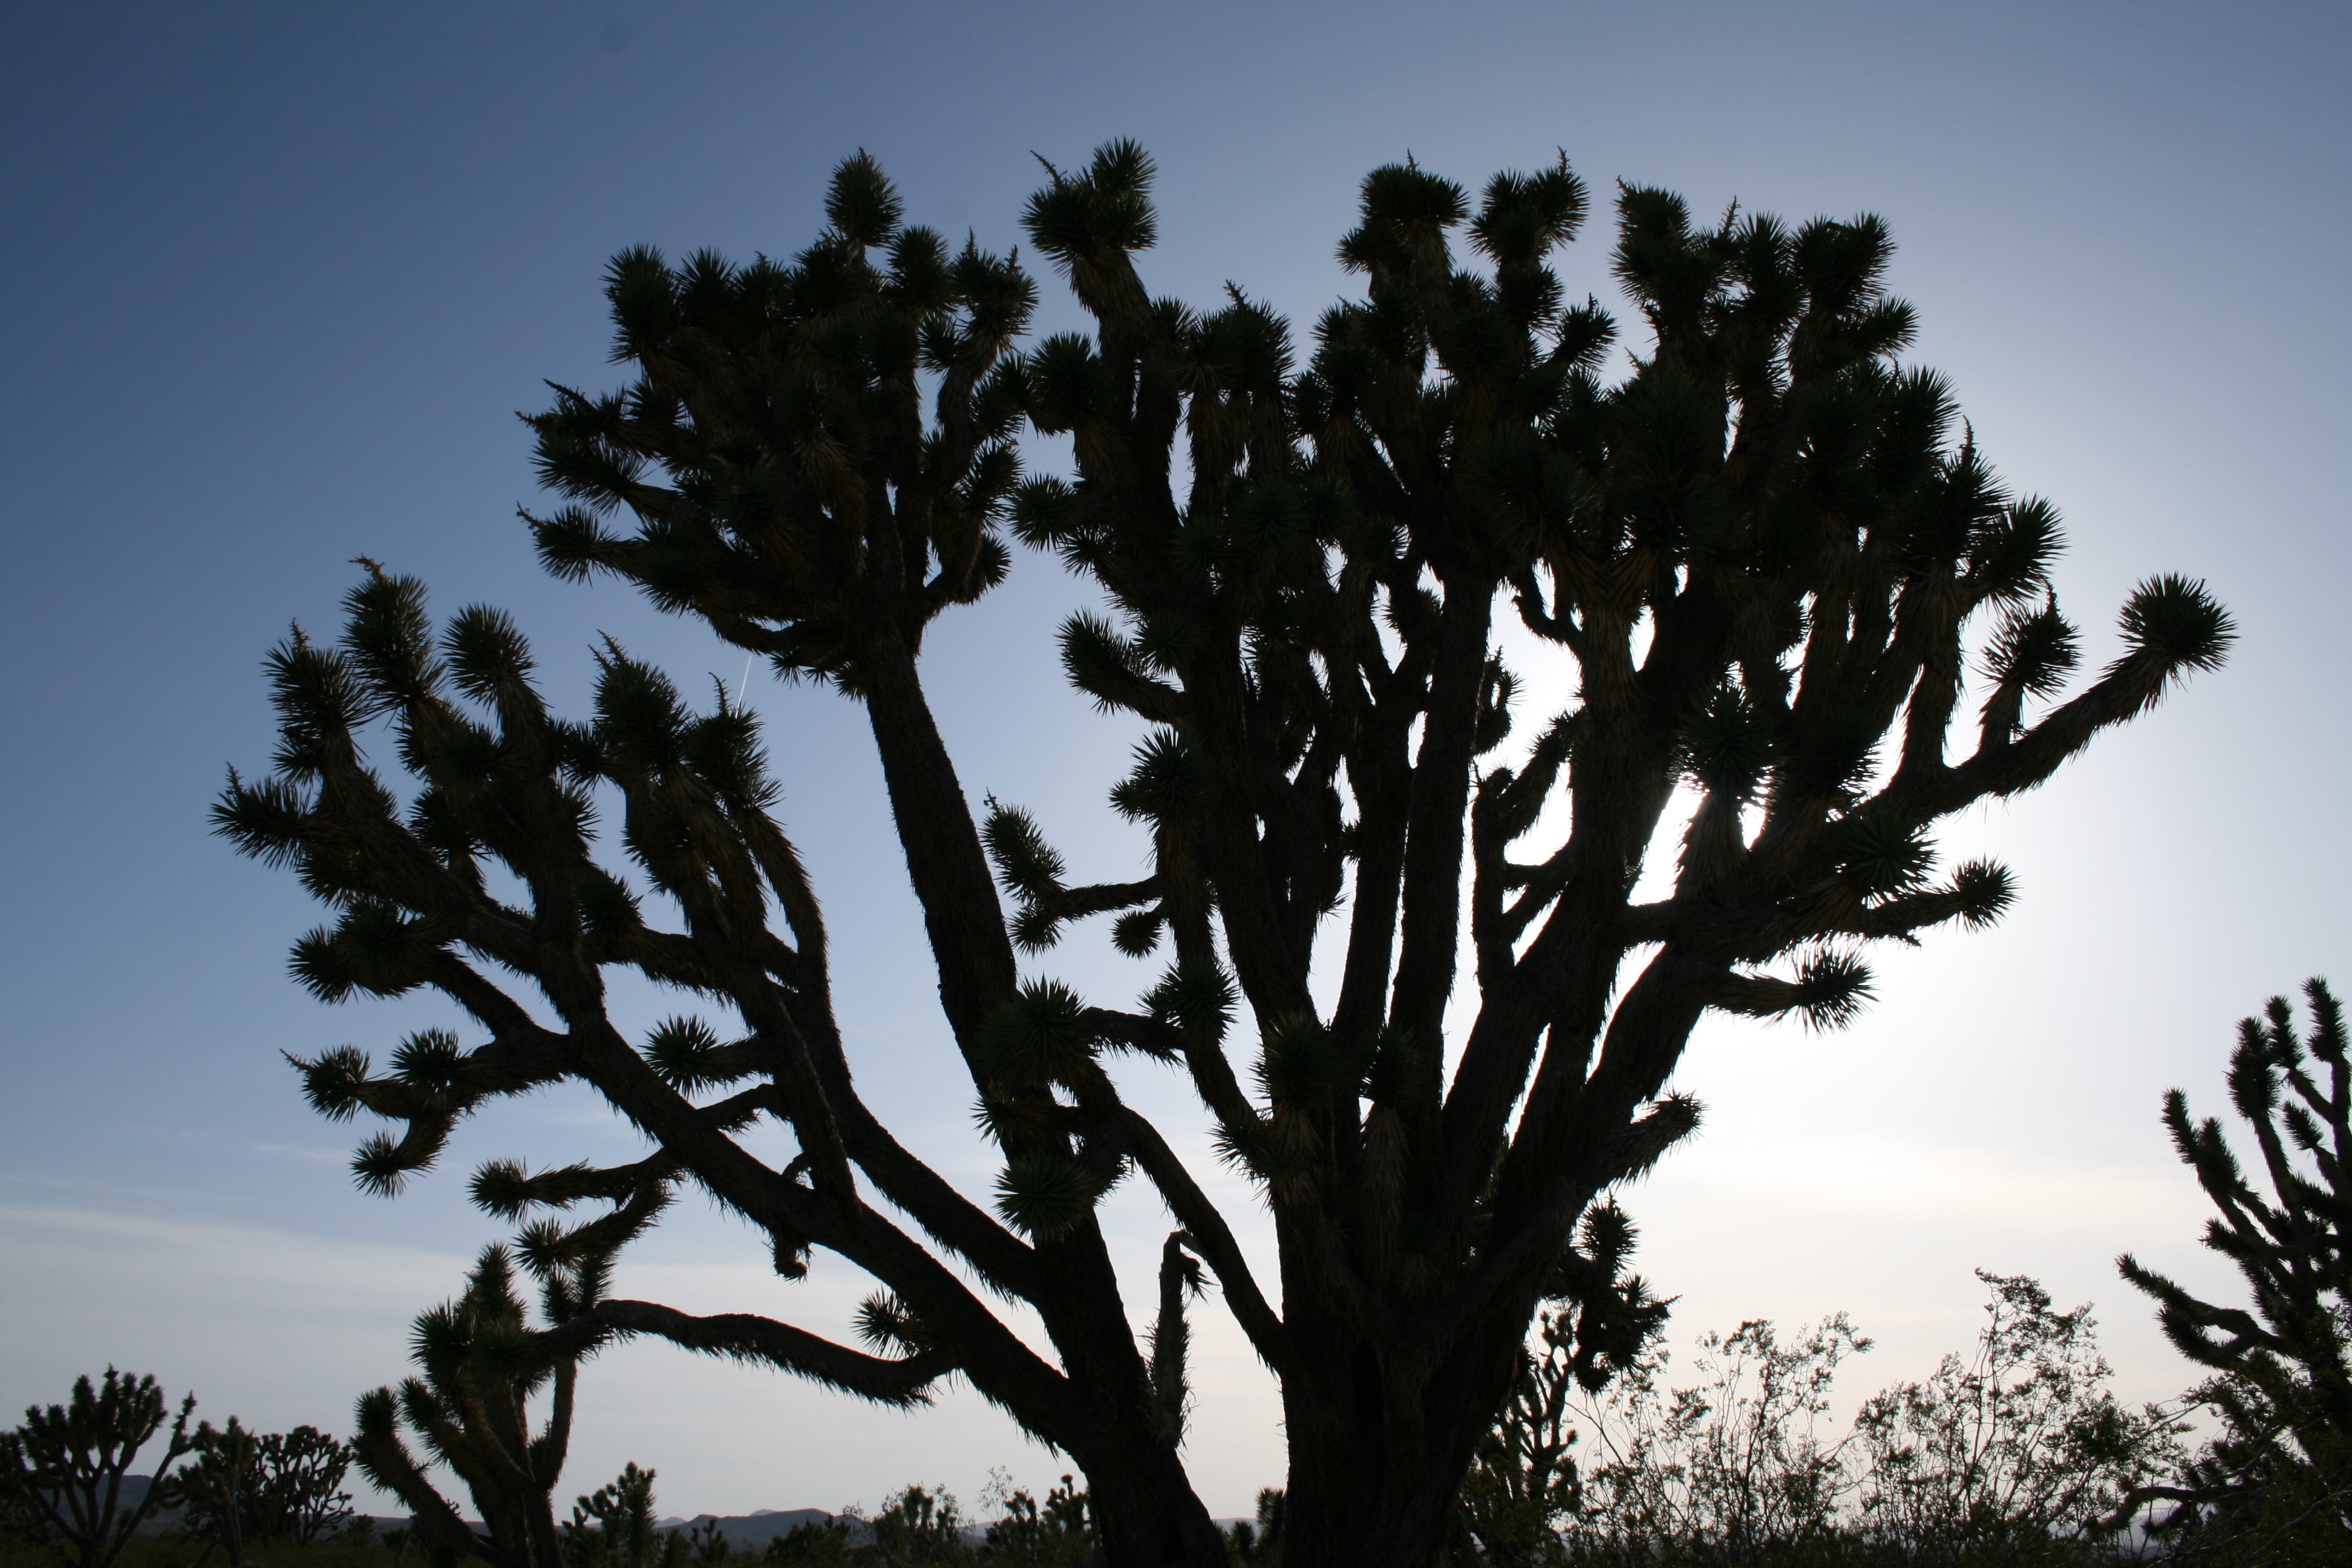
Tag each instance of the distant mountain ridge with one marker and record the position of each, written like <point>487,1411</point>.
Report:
<point>754,1529</point>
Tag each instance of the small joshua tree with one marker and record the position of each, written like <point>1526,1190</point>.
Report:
<point>918,1525</point>
<point>297,1495</point>
<point>217,1486</point>
<point>480,1364</point>
<point>1025,1534</point>
<point>2279,1468</point>
<point>62,1472</point>
<point>613,1527</point>
<point>241,1489</point>
<point>1807,624</point>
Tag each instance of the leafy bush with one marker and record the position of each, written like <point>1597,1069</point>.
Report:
<point>2018,1455</point>
<point>1732,1464</point>
<point>2020,1446</point>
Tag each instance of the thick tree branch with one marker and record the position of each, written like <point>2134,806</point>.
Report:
<point>1210,1235</point>
<point>741,1336</point>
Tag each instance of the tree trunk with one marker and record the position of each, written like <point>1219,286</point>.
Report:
<point>1379,1443</point>
<point>1146,1513</point>
<point>944,858</point>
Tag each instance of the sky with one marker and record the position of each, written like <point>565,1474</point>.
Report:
<point>282,274</point>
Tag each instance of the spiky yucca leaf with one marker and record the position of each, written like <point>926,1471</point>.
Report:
<point>1137,932</point>
<point>1026,863</point>
<point>335,1081</point>
<point>1828,990</point>
<point>382,1165</point>
<point>1296,1067</point>
<point>1039,1036</point>
<point>1726,747</point>
<point>1985,889</point>
<point>1196,996</point>
<point>1880,856</point>
<point>2175,623</point>
<point>1044,1195</point>
<point>680,1049</point>
<point>1168,785</point>
<point>429,1061</point>
<point>890,1326</point>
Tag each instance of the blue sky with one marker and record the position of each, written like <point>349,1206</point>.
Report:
<point>281,276</point>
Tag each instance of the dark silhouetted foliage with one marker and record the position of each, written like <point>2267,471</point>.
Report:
<point>240,1489</point>
<point>1806,624</point>
<point>62,1472</point>
<point>613,1527</point>
<point>481,1364</point>
<point>2017,1445</point>
<point>2278,1473</point>
<point>217,1484</point>
<point>2016,1455</point>
<point>296,1494</point>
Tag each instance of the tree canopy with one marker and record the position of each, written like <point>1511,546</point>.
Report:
<point>1808,620</point>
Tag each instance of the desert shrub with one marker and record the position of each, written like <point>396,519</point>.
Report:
<point>1729,1466</point>
<point>2016,1455</point>
<point>2019,1447</point>
<point>813,1543</point>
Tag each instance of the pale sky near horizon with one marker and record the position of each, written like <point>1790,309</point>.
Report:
<point>283,274</point>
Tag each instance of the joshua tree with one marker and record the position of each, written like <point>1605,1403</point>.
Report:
<point>1775,556</point>
<point>241,1488</point>
<point>2281,1466</point>
<point>613,1527</point>
<point>1524,1483</point>
<point>217,1486</point>
<point>61,1472</point>
<point>481,1363</point>
<point>1057,1535</point>
<point>298,1496</point>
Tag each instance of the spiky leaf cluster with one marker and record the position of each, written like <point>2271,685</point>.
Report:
<point>784,476</point>
<point>483,862</point>
<point>1524,1483</point>
<point>501,795</point>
